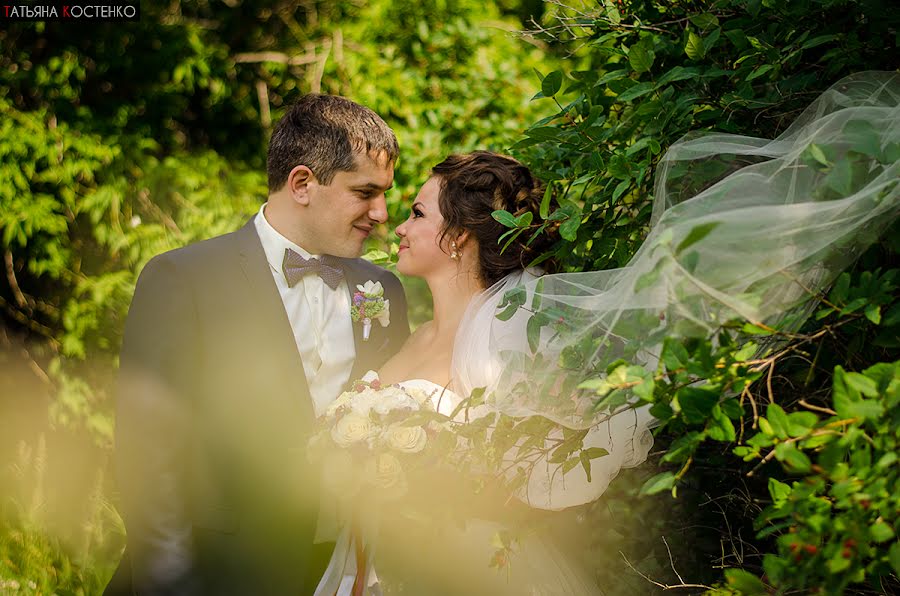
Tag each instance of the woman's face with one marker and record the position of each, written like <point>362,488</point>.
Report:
<point>420,251</point>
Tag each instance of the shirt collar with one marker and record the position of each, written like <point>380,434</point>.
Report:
<point>274,243</point>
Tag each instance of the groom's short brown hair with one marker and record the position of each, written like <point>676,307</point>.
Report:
<point>324,132</point>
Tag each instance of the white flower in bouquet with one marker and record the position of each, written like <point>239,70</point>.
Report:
<point>351,428</point>
<point>385,472</point>
<point>393,398</point>
<point>406,439</point>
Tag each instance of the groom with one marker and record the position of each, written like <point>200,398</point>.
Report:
<point>232,347</point>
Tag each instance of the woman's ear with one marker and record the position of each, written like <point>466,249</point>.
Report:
<point>462,238</point>
<point>298,184</point>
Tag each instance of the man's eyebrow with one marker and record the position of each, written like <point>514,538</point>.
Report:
<point>372,186</point>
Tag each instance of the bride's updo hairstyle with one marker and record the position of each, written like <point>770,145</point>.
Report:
<point>475,185</point>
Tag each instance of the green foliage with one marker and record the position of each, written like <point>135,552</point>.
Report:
<point>646,73</point>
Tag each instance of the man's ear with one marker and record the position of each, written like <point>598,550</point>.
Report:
<point>298,184</point>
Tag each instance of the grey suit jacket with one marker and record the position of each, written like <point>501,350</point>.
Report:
<point>213,418</point>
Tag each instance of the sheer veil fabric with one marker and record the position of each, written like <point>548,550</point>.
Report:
<point>742,228</point>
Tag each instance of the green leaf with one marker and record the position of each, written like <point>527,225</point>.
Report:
<point>636,91</point>
<point>779,491</point>
<point>873,313</point>
<point>640,57</point>
<point>694,48</point>
<point>658,483</point>
<point>679,73</point>
<point>816,152</point>
<point>552,83</point>
<point>620,189</point>
<point>778,419</point>
<point>760,71</point>
<point>720,428</point>
<point>881,532</point>
<point>569,228</point>
<point>792,457</point>
<point>504,217</point>
<point>696,403</point>
<point>744,582</point>
<point>705,21</point>
<point>696,234</point>
<point>533,331</point>
<point>894,557</point>
<point>545,202</point>
<point>817,41</point>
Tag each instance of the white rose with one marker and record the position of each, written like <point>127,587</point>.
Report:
<point>406,439</point>
<point>393,398</point>
<point>384,472</point>
<point>350,429</point>
<point>371,289</point>
<point>362,403</point>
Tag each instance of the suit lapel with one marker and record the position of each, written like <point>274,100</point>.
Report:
<point>266,301</point>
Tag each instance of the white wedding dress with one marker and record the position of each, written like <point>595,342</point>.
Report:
<point>444,554</point>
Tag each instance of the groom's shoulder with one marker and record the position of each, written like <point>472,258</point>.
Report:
<point>201,255</point>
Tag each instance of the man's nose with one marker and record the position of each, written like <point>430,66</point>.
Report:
<point>378,209</point>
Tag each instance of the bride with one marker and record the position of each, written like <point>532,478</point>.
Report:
<point>742,228</point>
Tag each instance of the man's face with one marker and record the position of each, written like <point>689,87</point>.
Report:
<point>340,215</point>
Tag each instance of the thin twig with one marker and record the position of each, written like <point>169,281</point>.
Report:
<point>810,406</point>
<point>280,57</point>
<point>661,585</point>
<point>13,282</point>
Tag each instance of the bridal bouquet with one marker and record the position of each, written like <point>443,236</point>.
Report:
<point>370,436</point>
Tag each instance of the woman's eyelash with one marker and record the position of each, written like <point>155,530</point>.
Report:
<point>417,213</point>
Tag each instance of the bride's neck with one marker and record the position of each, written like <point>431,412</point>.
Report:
<point>451,296</point>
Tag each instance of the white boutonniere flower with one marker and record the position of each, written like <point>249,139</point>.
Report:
<point>368,304</point>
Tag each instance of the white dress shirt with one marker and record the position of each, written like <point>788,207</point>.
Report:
<point>319,316</point>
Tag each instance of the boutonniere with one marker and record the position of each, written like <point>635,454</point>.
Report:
<point>368,304</point>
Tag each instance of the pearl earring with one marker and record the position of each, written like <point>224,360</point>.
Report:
<point>454,253</point>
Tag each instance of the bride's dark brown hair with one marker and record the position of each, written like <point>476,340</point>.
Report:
<point>475,185</point>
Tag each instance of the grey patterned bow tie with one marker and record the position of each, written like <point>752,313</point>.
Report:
<point>295,267</point>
